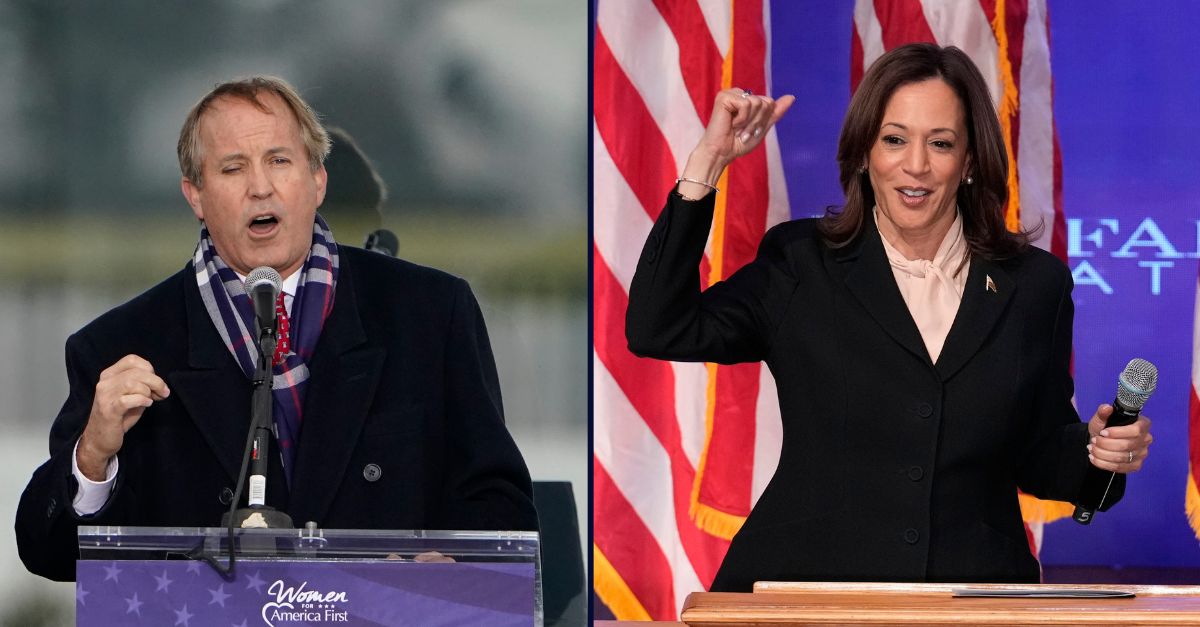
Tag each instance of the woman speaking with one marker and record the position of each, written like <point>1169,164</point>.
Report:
<point>921,350</point>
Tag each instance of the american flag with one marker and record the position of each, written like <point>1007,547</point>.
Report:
<point>682,451</point>
<point>1192,495</point>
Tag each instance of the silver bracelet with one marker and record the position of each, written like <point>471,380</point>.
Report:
<point>684,179</point>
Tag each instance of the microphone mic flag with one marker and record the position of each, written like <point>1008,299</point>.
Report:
<point>1134,387</point>
<point>263,285</point>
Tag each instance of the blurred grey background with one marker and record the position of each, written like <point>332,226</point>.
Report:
<point>473,112</point>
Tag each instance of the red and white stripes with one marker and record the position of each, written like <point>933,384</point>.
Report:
<point>669,491</point>
<point>1192,491</point>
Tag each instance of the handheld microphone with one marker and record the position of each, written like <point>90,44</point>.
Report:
<point>1134,387</point>
<point>382,241</point>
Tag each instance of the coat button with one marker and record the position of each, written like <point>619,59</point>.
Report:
<point>226,496</point>
<point>915,473</point>
<point>372,472</point>
<point>924,410</point>
<point>51,507</point>
<point>911,536</point>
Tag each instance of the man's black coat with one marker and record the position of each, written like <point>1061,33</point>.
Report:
<point>402,378</point>
<point>892,468</point>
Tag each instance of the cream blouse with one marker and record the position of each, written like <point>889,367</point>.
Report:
<point>932,289</point>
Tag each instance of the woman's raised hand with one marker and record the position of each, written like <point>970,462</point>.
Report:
<point>740,120</point>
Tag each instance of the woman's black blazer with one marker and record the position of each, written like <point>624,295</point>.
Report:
<point>893,468</point>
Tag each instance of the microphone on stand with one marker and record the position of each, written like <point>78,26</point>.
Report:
<point>262,285</point>
<point>1134,387</point>
<point>382,241</point>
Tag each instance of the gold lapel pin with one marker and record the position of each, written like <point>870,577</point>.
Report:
<point>991,285</point>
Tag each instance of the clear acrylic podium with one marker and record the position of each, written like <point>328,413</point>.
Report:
<point>154,575</point>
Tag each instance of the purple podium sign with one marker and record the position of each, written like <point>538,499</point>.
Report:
<point>276,593</point>
<point>287,577</point>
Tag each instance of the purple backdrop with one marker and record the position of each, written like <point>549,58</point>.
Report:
<point>1125,104</point>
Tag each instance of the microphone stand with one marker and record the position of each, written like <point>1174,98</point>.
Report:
<point>257,514</point>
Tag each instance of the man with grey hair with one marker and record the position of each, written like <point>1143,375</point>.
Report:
<point>387,410</point>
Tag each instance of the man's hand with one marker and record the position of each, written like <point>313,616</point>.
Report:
<point>123,392</point>
<point>1118,449</point>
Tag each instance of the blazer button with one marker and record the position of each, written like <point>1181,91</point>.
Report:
<point>372,472</point>
<point>226,496</point>
<point>924,410</point>
<point>911,536</point>
<point>51,507</point>
<point>915,473</point>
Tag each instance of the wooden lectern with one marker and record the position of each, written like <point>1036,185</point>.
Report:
<point>853,604</point>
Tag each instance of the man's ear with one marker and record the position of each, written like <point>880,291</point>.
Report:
<point>192,193</point>
<point>322,178</point>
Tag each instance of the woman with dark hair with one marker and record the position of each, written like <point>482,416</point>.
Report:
<point>921,350</point>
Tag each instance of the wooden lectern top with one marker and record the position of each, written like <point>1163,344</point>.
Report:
<point>853,604</point>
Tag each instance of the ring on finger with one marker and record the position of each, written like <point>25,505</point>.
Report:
<point>1130,460</point>
<point>746,93</point>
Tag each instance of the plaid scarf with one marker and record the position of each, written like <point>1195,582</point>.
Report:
<point>232,313</point>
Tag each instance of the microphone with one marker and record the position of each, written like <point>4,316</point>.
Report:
<point>263,285</point>
<point>1134,387</point>
<point>382,241</point>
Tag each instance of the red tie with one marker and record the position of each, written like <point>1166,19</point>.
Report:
<point>282,347</point>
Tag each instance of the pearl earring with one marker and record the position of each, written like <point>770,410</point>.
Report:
<point>970,180</point>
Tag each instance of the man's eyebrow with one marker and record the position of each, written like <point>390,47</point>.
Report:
<point>236,156</point>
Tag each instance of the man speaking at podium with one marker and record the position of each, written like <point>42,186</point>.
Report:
<point>386,402</point>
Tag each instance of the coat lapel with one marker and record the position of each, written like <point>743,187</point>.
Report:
<point>343,375</point>
<point>870,280</point>
<point>213,389</point>
<point>987,293</point>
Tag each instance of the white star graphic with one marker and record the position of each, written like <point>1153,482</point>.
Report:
<point>133,605</point>
<point>193,567</point>
<point>164,582</point>
<point>219,595</point>
<point>80,593</point>
<point>183,617</point>
<point>254,582</point>
<point>112,573</point>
